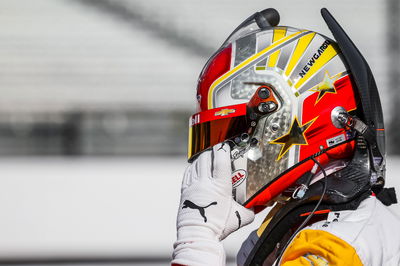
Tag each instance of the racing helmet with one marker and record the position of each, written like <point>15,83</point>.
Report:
<point>282,97</point>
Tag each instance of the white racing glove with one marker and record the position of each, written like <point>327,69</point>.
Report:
<point>207,212</point>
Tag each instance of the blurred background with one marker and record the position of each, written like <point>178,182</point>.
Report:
<point>94,101</point>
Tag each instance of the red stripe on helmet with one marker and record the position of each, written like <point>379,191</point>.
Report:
<point>216,67</point>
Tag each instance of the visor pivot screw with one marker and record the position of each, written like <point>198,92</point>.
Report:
<point>245,137</point>
<point>264,93</point>
<point>253,124</point>
<point>253,142</point>
<point>267,107</point>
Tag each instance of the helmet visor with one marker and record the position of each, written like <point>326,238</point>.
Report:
<point>211,127</point>
<point>236,123</point>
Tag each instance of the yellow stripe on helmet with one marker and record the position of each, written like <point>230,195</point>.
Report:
<point>301,47</point>
<point>330,52</point>
<point>279,33</point>
<point>244,64</point>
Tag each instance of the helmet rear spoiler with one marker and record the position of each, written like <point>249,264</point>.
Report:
<point>368,92</point>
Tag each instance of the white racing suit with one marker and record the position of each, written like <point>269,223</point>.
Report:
<point>369,235</point>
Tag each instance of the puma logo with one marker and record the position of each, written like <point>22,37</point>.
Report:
<point>191,205</point>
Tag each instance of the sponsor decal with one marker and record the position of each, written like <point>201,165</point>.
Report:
<point>218,113</point>
<point>336,140</point>
<point>238,177</point>
<point>225,112</point>
<point>195,119</point>
<point>314,58</point>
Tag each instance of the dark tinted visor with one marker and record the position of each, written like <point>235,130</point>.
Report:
<point>214,126</point>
